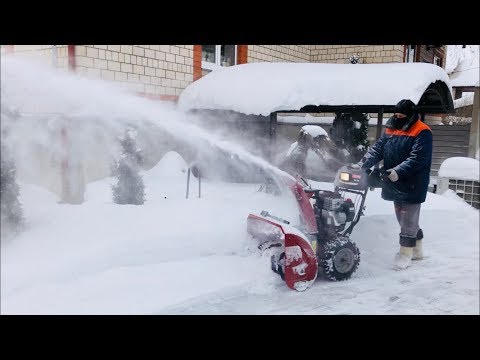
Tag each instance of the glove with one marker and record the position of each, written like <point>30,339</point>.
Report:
<point>392,175</point>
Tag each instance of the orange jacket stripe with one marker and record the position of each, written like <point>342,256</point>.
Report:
<point>418,127</point>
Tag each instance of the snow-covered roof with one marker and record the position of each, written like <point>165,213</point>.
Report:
<point>263,88</point>
<point>466,100</point>
<point>467,73</point>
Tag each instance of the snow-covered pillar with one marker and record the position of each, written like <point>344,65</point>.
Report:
<point>473,143</point>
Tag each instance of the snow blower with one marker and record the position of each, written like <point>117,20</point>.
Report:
<point>321,243</point>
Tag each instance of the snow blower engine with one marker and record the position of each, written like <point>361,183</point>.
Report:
<point>321,243</point>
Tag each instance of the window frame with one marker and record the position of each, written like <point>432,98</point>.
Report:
<point>217,65</point>
<point>411,52</point>
<point>440,60</point>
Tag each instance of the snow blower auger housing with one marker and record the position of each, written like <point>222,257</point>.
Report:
<point>321,243</point>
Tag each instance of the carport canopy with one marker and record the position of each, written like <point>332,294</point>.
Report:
<point>266,88</point>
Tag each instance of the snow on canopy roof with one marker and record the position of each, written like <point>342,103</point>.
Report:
<point>466,73</point>
<point>263,88</point>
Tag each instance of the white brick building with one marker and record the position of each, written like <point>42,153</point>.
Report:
<point>163,71</point>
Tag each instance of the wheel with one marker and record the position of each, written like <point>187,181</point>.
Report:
<point>339,259</point>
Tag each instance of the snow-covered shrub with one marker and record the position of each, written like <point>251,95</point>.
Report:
<point>129,188</point>
<point>11,209</point>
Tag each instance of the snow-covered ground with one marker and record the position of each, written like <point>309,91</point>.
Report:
<point>192,256</point>
<point>174,255</point>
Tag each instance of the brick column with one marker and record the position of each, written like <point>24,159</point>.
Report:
<point>197,62</point>
<point>71,57</point>
<point>242,54</point>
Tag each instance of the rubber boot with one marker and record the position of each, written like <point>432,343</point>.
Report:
<point>404,258</point>
<point>417,251</point>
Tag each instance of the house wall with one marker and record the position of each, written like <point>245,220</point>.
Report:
<point>340,54</point>
<point>427,55</point>
<point>278,53</point>
<point>369,54</point>
<point>163,70</point>
<point>148,69</point>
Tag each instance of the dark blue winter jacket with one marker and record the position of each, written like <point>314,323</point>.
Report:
<point>409,153</point>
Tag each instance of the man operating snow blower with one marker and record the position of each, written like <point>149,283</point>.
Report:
<point>406,151</point>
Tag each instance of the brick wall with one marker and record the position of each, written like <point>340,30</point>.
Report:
<point>425,54</point>
<point>275,53</point>
<point>369,54</point>
<point>158,70</point>
<point>165,70</point>
<point>148,69</point>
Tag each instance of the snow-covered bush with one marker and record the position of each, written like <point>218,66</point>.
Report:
<point>11,209</point>
<point>129,188</point>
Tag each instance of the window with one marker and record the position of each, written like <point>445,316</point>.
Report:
<point>410,55</point>
<point>215,56</point>
<point>437,60</point>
